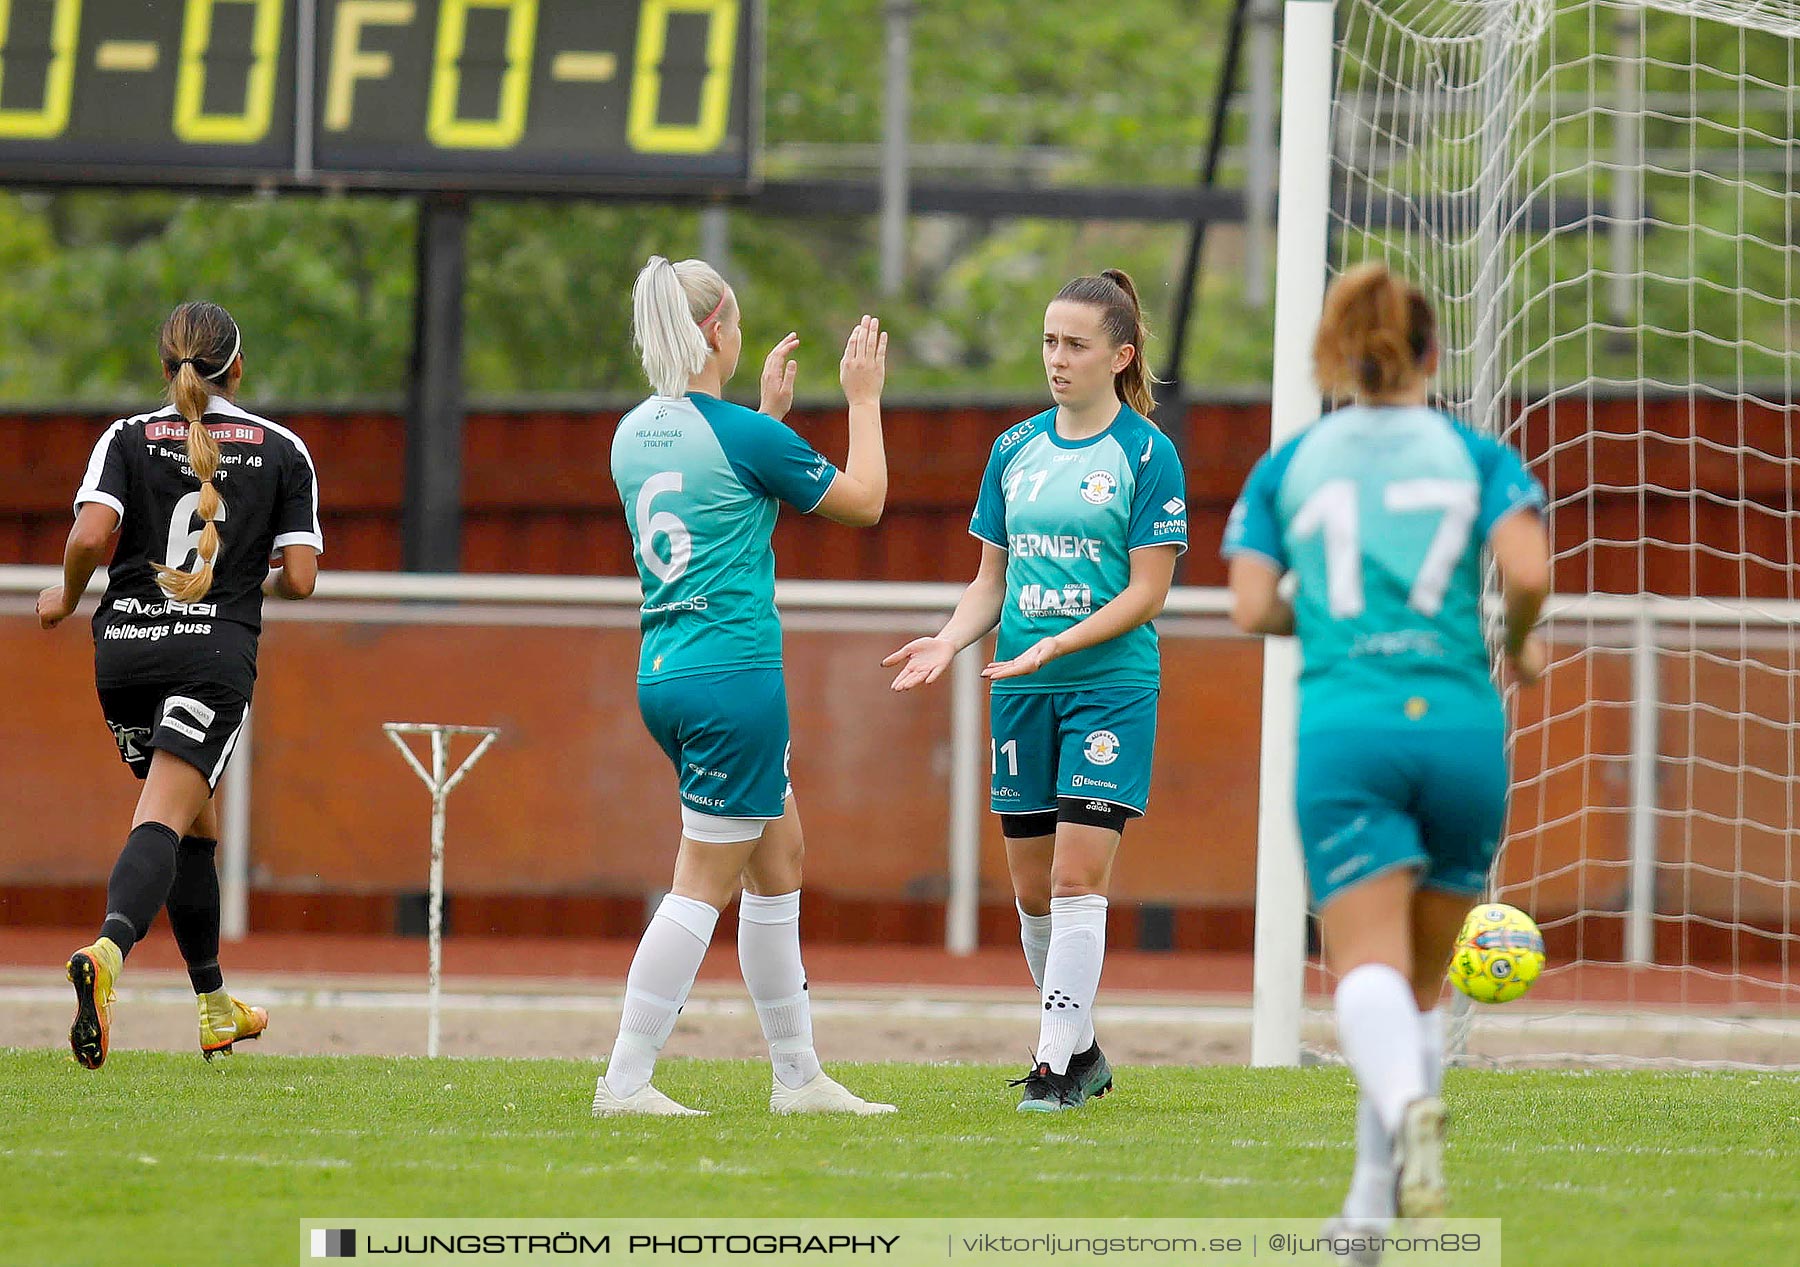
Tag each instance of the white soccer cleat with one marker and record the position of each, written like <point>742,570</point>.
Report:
<point>1355,1242</point>
<point>646,1101</point>
<point>1419,1160</point>
<point>823,1095</point>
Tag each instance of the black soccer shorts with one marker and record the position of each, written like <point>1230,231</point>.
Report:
<point>198,722</point>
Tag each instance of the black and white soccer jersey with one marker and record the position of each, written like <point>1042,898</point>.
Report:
<point>270,494</point>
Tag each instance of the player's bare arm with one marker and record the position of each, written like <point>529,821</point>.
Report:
<point>778,373</point>
<point>924,660</point>
<point>859,493</point>
<point>1139,603</point>
<point>1521,549</point>
<point>1257,606</point>
<point>90,541</point>
<point>295,576</point>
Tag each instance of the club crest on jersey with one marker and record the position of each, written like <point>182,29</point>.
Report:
<point>1102,748</point>
<point>1098,488</point>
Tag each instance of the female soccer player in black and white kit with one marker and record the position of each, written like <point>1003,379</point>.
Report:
<point>199,510</point>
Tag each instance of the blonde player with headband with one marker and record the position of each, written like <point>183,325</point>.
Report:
<point>201,495</point>
<point>701,480</point>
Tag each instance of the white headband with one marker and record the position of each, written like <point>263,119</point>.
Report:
<point>237,343</point>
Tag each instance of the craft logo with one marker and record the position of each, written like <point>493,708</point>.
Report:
<point>1098,488</point>
<point>1102,748</point>
<point>333,1242</point>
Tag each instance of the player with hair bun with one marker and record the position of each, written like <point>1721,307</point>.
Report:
<point>201,495</point>
<point>1081,515</point>
<point>1381,510</point>
<point>701,480</point>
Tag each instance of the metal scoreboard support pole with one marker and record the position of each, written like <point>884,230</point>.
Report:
<point>442,781</point>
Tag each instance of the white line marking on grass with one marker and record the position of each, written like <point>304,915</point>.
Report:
<point>1637,1023</point>
<point>224,1159</point>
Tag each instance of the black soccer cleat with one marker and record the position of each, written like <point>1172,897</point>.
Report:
<point>1047,1092</point>
<point>1092,1074</point>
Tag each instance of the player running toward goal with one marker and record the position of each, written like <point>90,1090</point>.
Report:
<point>1381,511</point>
<point>1081,516</point>
<point>199,508</point>
<point>701,480</point>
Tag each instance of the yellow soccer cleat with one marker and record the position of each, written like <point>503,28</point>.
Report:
<point>92,971</point>
<point>224,1021</point>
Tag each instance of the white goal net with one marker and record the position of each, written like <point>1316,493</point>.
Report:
<point>1601,197</point>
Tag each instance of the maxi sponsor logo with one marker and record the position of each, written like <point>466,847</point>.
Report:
<point>1051,600</point>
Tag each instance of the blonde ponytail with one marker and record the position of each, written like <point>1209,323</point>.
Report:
<point>670,305</point>
<point>198,335</point>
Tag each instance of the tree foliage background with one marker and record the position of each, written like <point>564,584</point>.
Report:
<point>323,285</point>
<point>1078,93</point>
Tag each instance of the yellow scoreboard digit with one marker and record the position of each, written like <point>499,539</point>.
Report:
<point>49,118</point>
<point>515,95</point>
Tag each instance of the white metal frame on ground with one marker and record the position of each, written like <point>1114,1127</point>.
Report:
<point>390,597</point>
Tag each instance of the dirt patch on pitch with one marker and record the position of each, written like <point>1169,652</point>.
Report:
<point>527,1019</point>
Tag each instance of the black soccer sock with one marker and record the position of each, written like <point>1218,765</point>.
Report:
<point>194,911</point>
<point>140,884</point>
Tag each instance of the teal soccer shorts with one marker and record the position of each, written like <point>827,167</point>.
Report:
<point>1096,745</point>
<point>727,734</point>
<point>1372,800</point>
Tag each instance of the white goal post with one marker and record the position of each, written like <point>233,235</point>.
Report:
<point>1600,196</point>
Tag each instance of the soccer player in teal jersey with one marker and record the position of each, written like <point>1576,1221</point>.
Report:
<point>700,479</point>
<point>1380,511</point>
<point>1081,515</point>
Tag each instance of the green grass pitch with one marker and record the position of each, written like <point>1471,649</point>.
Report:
<point>1639,1168</point>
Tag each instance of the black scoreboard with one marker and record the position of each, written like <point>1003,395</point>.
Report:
<point>497,95</point>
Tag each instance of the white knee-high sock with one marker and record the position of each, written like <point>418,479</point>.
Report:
<point>1379,1031</point>
<point>1372,1182</point>
<point>1071,977</point>
<point>1431,1038</point>
<point>662,973</point>
<point>769,953</point>
<point>1034,935</point>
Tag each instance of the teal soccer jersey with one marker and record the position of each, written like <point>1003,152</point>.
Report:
<point>1069,513</point>
<point>700,479</point>
<point>1382,514</point>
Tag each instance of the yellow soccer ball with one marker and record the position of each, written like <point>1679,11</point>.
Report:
<point>1498,954</point>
